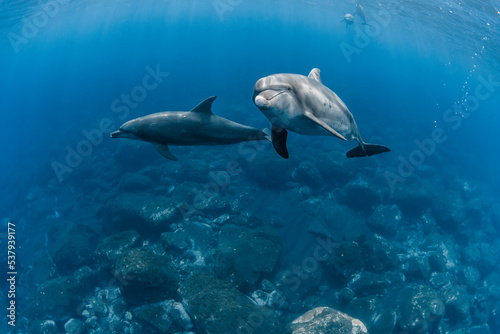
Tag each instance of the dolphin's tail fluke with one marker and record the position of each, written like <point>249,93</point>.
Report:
<point>367,150</point>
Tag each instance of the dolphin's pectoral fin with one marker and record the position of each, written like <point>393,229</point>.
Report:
<point>165,151</point>
<point>279,141</point>
<point>369,150</point>
<point>328,128</point>
<point>315,74</point>
<point>205,106</point>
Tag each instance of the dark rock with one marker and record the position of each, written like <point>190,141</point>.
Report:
<point>379,254</point>
<point>336,166</point>
<point>73,247</point>
<point>439,280</point>
<point>155,315</point>
<point>247,256</point>
<point>201,237</point>
<point>135,182</point>
<point>43,327</point>
<point>414,195</point>
<point>326,320</point>
<point>360,196</point>
<point>142,212</point>
<point>345,262</point>
<point>448,209</point>
<point>384,322</point>
<point>365,309</point>
<point>246,219</point>
<point>175,242</point>
<point>495,317</point>
<point>445,245</point>
<point>491,283</point>
<point>480,306</point>
<point>218,307</point>
<point>296,285</point>
<point>419,308</point>
<point>469,276</point>
<point>457,305</point>
<point>437,261</point>
<point>418,267</point>
<point>482,329</point>
<point>471,254</point>
<point>115,246</point>
<point>180,317</point>
<point>346,295</point>
<point>367,283</point>
<point>58,298</point>
<point>149,277</point>
<point>344,221</point>
<point>74,326</point>
<point>307,173</point>
<point>385,219</point>
<point>44,269</point>
<point>160,212</point>
<point>278,170</point>
<point>428,223</point>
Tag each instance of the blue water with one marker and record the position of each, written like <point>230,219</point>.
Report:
<point>63,74</point>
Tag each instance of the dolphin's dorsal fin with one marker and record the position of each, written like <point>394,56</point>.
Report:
<point>205,106</point>
<point>325,126</point>
<point>165,151</point>
<point>314,74</point>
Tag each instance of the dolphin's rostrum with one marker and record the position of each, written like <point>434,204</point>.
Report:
<point>304,105</point>
<point>196,127</point>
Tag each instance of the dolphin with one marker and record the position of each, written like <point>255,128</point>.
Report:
<point>349,19</point>
<point>361,12</point>
<point>196,127</point>
<point>304,105</point>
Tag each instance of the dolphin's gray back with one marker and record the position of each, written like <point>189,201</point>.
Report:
<point>190,128</point>
<point>323,103</point>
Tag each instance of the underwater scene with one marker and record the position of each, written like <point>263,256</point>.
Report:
<point>237,166</point>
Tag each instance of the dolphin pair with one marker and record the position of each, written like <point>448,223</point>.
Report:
<point>349,18</point>
<point>290,101</point>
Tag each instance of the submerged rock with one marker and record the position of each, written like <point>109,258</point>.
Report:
<point>246,256</point>
<point>115,246</point>
<point>325,320</point>
<point>414,195</point>
<point>345,262</point>
<point>219,308</point>
<point>457,305</point>
<point>44,327</point>
<point>155,316</point>
<point>148,277</point>
<point>74,326</point>
<point>419,308</point>
<point>385,219</point>
<point>141,211</point>
<point>367,283</point>
<point>73,247</point>
<point>135,182</point>
<point>359,195</point>
<point>449,210</point>
<point>58,298</point>
<point>379,254</point>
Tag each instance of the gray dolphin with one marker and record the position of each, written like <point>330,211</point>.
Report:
<point>349,19</point>
<point>304,105</point>
<point>196,127</point>
<point>361,12</point>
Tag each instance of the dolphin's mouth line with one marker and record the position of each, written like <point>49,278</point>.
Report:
<point>277,94</point>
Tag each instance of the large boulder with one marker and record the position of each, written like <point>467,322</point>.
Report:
<point>325,320</point>
<point>59,298</point>
<point>360,196</point>
<point>141,211</point>
<point>246,256</point>
<point>345,262</point>
<point>385,219</point>
<point>114,246</point>
<point>73,247</point>
<point>219,308</point>
<point>449,209</point>
<point>419,308</point>
<point>147,277</point>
